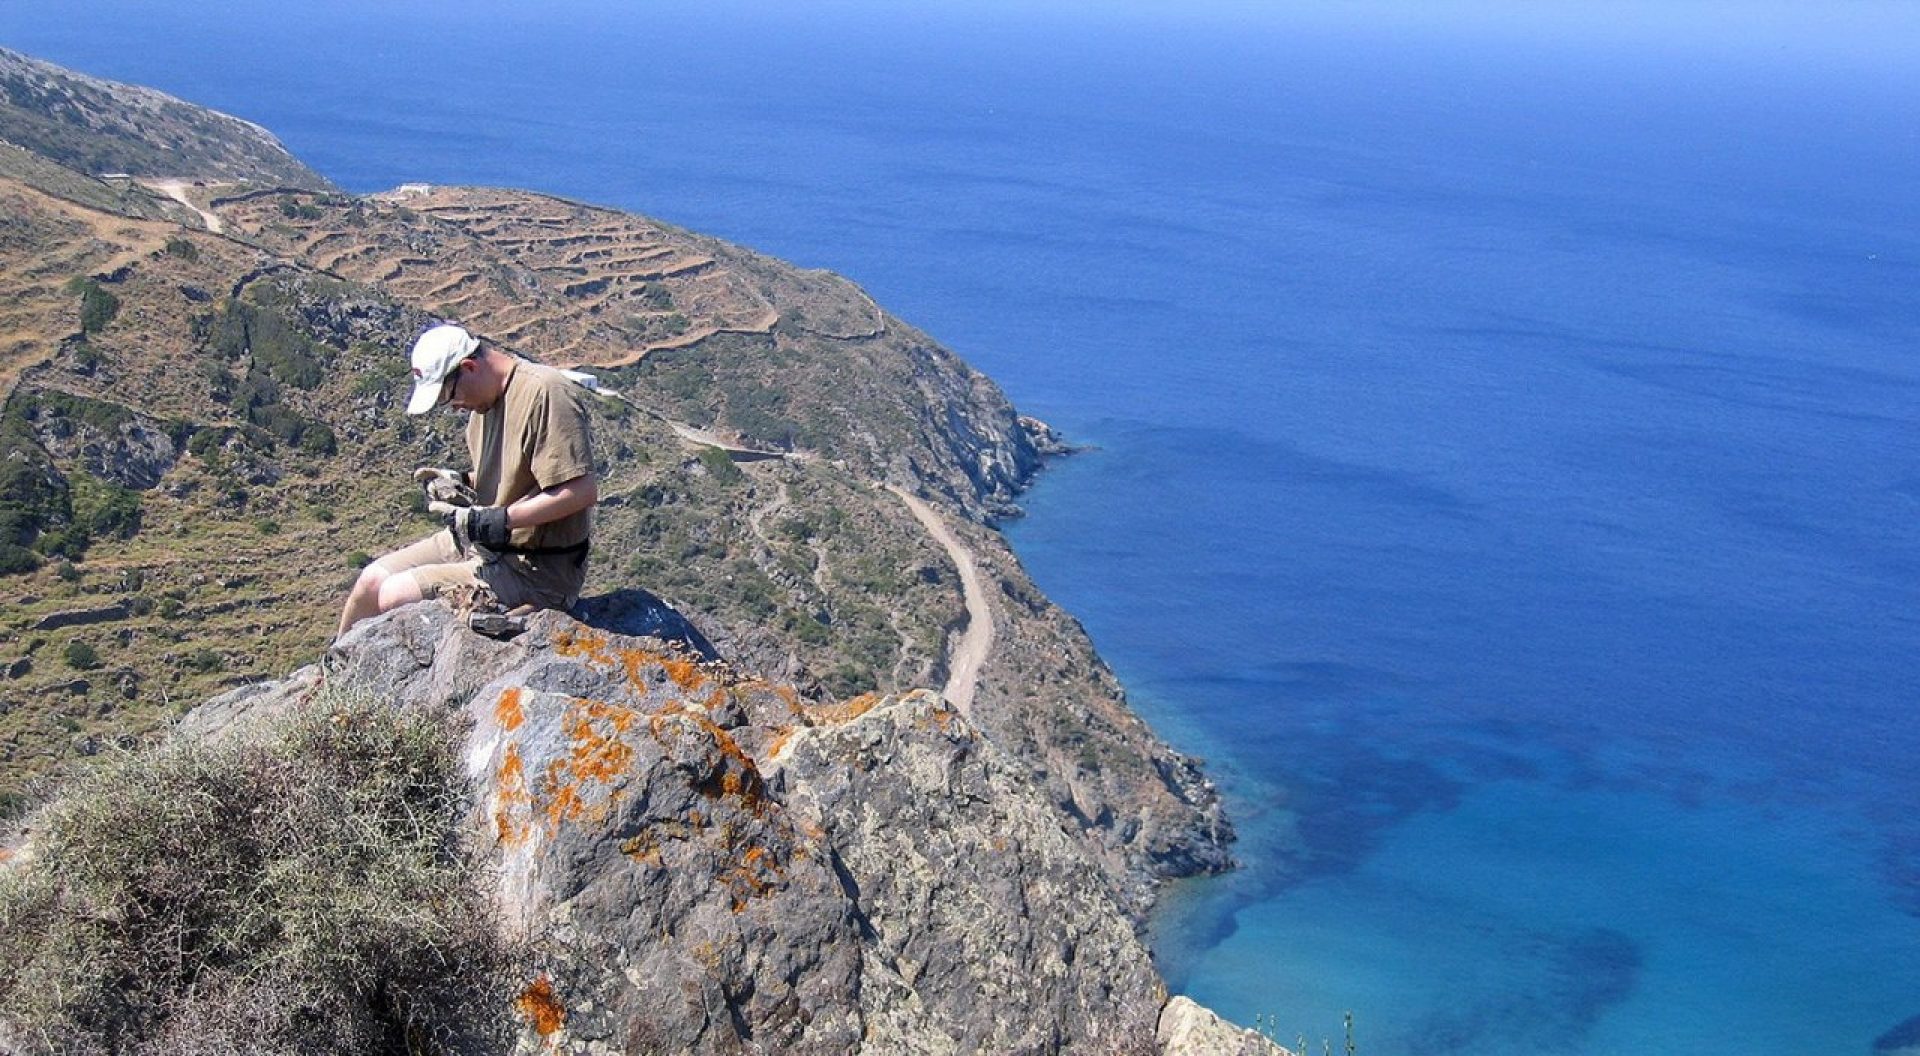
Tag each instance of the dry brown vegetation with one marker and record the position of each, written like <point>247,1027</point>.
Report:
<point>304,891</point>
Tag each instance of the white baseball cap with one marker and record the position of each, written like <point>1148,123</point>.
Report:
<point>437,354</point>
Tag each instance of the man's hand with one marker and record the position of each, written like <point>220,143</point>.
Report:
<point>475,525</point>
<point>445,485</point>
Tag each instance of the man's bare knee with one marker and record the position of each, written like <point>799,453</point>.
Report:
<point>371,577</point>
<point>397,589</point>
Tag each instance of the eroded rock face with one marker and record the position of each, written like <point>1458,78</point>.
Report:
<point>973,899</point>
<point>702,862</point>
<point>134,454</point>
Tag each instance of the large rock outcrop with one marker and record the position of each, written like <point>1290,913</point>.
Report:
<point>703,862</point>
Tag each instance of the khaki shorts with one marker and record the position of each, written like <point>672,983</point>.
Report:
<point>438,568</point>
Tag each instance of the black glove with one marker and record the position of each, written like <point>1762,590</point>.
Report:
<point>475,525</point>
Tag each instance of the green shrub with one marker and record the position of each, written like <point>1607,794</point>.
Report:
<point>185,250</point>
<point>205,444</point>
<point>752,592</point>
<point>33,495</point>
<point>655,295</point>
<point>98,305</point>
<point>87,358</point>
<point>804,627</point>
<point>205,661</point>
<point>645,566</point>
<point>103,509</point>
<point>387,372</point>
<point>81,656</point>
<point>302,891</point>
<point>317,439</point>
<point>220,381</point>
<point>850,680</point>
<point>275,343</point>
<point>15,559</point>
<point>719,465</point>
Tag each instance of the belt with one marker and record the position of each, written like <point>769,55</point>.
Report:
<point>546,551</point>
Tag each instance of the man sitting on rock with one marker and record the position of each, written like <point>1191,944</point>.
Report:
<point>518,524</point>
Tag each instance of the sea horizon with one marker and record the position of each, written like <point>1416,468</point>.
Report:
<point>1502,457</point>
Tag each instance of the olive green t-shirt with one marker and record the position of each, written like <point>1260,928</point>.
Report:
<point>536,437</point>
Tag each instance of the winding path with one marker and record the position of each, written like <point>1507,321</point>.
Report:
<point>969,654</point>
<point>176,189</point>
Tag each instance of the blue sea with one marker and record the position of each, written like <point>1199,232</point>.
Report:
<point>1505,426</point>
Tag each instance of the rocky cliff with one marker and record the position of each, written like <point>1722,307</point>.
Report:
<point>705,862</point>
<point>823,826</point>
<point>99,127</point>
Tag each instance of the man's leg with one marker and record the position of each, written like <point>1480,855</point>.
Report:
<point>390,582</point>
<point>364,599</point>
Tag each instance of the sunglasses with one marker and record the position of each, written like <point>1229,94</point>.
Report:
<point>452,385</point>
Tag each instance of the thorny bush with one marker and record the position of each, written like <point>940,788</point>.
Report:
<point>305,890</point>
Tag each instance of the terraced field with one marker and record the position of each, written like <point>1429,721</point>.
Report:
<point>69,242</point>
<point>562,282</point>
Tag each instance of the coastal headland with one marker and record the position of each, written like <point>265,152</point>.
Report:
<point>800,614</point>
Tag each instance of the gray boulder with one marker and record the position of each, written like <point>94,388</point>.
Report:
<point>702,862</point>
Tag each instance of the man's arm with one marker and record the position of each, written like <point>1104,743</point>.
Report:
<point>561,500</point>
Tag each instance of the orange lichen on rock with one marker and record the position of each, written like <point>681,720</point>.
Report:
<point>758,873</point>
<point>583,644</point>
<point>846,710</point>
<point>635,663</point>
<point>685,673</point>
<point>601,757</point>
<point>563,796</point>
<point>511,798</point>
<point>598,757</point>
<point>508,712</point>
<point>644,848</point>
<point>540,1007</point>
<point>734,774</point>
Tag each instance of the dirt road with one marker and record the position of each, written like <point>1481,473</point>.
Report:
<point>969,654</point>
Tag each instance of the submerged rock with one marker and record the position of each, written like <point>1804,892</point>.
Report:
<point>1902,1040</point>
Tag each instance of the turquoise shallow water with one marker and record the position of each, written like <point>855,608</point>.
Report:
<point>1506,463</point>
